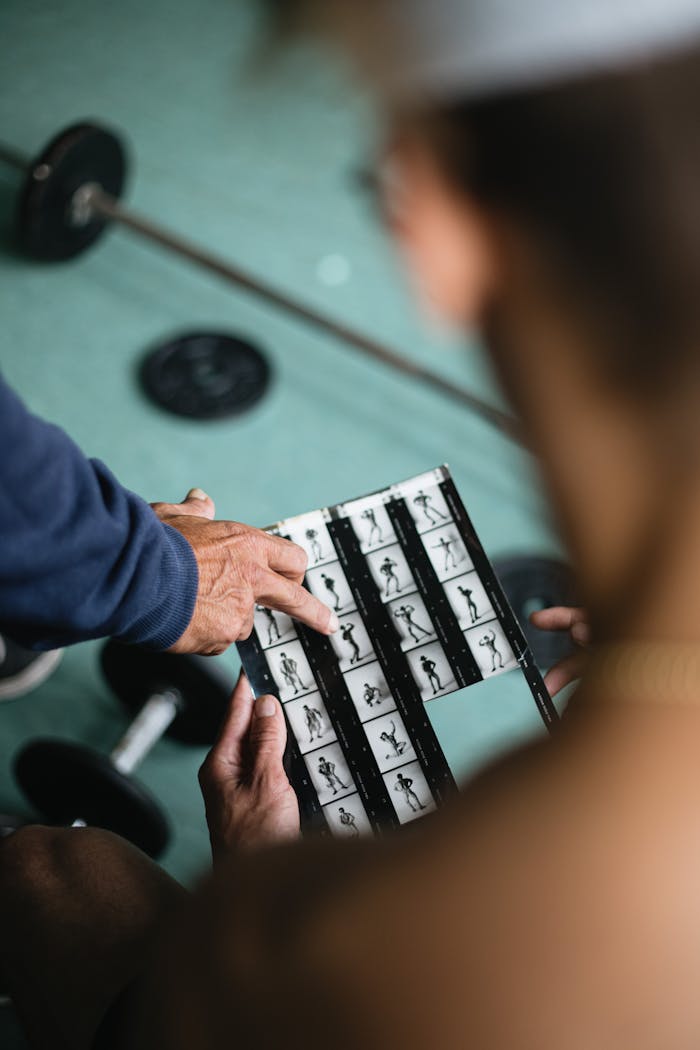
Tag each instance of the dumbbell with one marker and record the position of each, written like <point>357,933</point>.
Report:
<point>182,696</point>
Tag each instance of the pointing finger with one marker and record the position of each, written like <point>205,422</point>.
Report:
<point>282,594</point>
<point>285,557</point>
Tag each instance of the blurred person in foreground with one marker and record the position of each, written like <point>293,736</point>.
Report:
<point>541,177</point>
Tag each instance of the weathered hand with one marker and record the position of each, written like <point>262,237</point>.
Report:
<point>575,621</point>
<point>248,799</point>
<point>239,566</point>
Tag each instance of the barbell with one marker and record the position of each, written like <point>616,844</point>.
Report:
<point>71,194</point>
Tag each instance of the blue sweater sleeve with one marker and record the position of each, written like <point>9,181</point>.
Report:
<point>81,556</point>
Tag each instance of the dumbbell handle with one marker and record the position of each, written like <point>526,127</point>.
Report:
<point>146,730</point>
<point>159,711</point>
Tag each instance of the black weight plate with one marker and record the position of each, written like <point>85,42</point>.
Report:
<point>67,781</point>
<point>533,583</point>
<point>204,688</point>
<point>81,154</point>
<point>205,375</point>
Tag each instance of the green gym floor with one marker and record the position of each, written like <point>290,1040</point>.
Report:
<point>259,165</point>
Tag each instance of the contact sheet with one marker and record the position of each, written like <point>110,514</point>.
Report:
<point>421,616</point>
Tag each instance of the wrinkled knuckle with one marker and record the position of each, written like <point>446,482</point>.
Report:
<point>301,555</point>
<point>237,550</point>
<point>249,541</point>
<point>231,529</point>
<point>255,575</point>
<point>266,739</point>
<point>299,597</point>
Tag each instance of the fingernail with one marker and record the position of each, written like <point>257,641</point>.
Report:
<point>197,494</point>
<point>265,707</point>
<point>333,623</point>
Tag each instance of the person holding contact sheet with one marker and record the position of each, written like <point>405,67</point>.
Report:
<point>540,176</point>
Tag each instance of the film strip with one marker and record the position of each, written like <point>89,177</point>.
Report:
<point>421,615</point>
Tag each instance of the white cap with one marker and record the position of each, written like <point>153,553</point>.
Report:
<point>444,48</point>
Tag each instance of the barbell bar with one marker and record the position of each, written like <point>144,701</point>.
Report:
<point>71,193</point>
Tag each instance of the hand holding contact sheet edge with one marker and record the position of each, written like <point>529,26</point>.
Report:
<point>422,617</point>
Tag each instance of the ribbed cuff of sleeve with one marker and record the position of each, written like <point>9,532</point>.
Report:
<point>174,604</point>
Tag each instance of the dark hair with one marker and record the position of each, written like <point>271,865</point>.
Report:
<point>604,172</point>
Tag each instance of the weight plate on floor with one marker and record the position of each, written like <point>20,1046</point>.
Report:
<point>533,583</point>
<point>205,375</point>
<point>66,781</point>
<point>134,674</point>
<point>79,156</point>
<point>22,670</point>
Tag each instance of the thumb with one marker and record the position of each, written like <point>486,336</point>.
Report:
<point>268,733</point>
<point>198,504</point>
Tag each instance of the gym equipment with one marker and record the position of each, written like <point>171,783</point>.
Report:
<point>205,375</point>
<point>533,583</point>
<point>71,194</point>
<point>22,670</point>
<point>55,221</point>
<point>183,696</point>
